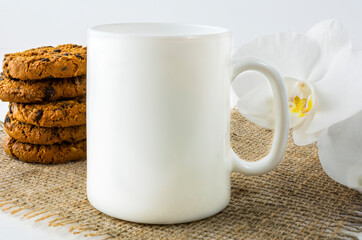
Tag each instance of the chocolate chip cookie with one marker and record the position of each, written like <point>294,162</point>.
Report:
<point>28,133</point>
<point>47,154</point>
<point>63,61</point>
<point>12,90</point>
<point>51,114</point>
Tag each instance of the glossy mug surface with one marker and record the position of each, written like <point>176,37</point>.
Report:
<point>158,114</point>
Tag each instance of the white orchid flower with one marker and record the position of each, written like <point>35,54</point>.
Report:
<point>322,75</point>
<point>340,152</point>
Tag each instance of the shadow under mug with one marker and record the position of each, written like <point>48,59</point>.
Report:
<point>158,121</point>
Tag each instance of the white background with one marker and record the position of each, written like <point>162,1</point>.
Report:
<point>27,24</point>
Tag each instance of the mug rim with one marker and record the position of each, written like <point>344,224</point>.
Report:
<point>158,30</point>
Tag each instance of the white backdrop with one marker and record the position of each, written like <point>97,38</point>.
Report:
<point>26,24</point>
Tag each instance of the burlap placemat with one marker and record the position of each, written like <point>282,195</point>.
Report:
<point>295,201</point>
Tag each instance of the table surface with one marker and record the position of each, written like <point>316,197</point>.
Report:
<point>12,227</point>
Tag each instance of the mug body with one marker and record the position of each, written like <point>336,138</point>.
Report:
<point>158,147</point>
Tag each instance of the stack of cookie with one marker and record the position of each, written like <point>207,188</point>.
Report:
<point>46,88</point>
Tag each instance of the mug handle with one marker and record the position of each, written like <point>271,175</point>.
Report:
<point>273,158</point>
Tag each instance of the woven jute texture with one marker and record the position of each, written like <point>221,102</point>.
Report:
<point>295,201</point>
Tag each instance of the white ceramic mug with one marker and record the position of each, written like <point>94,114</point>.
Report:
<point>158,121</point>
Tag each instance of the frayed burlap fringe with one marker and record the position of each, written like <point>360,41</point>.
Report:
<point>295,201</point>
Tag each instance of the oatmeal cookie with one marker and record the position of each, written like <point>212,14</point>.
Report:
<point>63,61</point>
<point>46,154</point>
<point>51,114</point>
<point>28,133</point>
<point>12,90</point>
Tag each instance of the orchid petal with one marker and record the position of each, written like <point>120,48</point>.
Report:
<point>300,136</point>
<point>255,98</point>
<point>340,152</point>
<point>339,92</point>
<point>331,37</point>
<point>292,54</point>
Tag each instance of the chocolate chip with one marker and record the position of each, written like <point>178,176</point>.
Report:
<point>7,119</point>
<point>75,45</point>
<point>45,60</point>
<point>38,115</point>
<point>48,92</point>
<point>65,54</point>
<point>49,77</point>
<point>79,80</point>
<point>10,109</point>
<point>82,100</point>
<point>79,56</point>
<point>57,50</point>
<point>64,68</point>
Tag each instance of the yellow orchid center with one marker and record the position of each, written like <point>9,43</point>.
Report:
<point>300,106</point>
<point>300,101</point>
